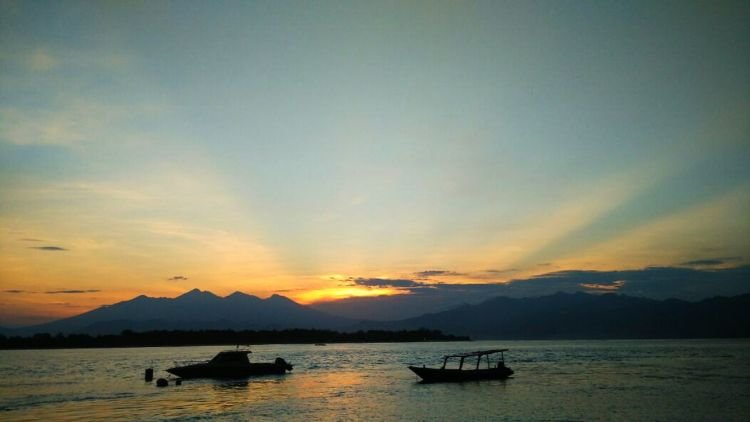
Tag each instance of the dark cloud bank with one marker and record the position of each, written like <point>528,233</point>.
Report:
<point>49,248</point>
<point>54,292</point>
<point>386,282</point>
<point>661,283</point>
<point>711,262</point>
<point>68,292</point>
<point>435,273</point>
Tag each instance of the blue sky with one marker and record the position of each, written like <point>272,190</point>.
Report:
<point>268,146</point>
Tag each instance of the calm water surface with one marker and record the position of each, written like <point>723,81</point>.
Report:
<point>554,380</point>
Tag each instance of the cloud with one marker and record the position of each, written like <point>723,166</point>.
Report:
<point>711,262</point>
<point>608,287</point>
<point>386,282</point>
<point>652,282</point>
<point>28,239</point>
<point>73,121</point>
<point>41,61</point>
<point>57,292</point>
<point>509,270</point>
<point>435,273</point>
<point>14,291</point>
<point>479,275</point>
<point>177,278</point>
<point>49,248</point>
<point>659,283</point>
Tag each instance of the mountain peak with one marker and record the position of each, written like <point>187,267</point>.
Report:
<point>241,296</point>
<point>196,293</point>
<point>280,299</point>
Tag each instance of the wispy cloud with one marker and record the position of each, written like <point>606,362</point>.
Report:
<point>509,270</point>
<point>711,262</point>
<point>30,240</point>
<point>64,123</point>
<point>72,121</point>
<point>608,287</point>
<point>177,278</point>
<point>14,291</point>
<point>653,282</point>
<point>435,273</point>
<point>48,248</point>
<point>58,292</point>
<point>40,60</point>
<point>485,275</point>
<point>386,282</point>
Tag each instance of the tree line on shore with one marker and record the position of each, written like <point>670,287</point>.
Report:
<point>129,338</point>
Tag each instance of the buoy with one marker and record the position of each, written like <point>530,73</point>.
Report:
<point>178,381</point>
<point>149,374</point>
<point>161,382</point>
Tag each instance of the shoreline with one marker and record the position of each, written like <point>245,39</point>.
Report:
<point>192,338</point>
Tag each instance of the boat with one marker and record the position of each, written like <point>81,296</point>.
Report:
<point>230,364</point>
<point>443,374</point>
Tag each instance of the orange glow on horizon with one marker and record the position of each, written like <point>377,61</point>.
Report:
<point>336,293</point>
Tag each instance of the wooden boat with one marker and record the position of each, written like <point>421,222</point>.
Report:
<point>230,364</point>
<point>443,374</point>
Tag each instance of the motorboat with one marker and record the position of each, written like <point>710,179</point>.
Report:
<point>230,364</point>
<point>496,370</point>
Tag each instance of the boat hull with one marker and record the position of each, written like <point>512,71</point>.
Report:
<point>457,375</point>
<point>204,370</point>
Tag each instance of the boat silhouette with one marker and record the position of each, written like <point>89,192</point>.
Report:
<point>443,374</point>
<point>230,364</point>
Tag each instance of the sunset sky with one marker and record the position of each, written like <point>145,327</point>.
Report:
<point>292,147</point>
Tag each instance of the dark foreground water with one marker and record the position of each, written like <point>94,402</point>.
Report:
<point>554,380</point>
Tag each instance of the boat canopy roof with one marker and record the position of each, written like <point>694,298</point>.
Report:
<point>231,356</point>
<point>477,353</point>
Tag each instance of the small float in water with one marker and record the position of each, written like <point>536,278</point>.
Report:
<point>230,364</point>
<point>443,374</point>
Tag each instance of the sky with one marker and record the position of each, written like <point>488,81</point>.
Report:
<point>150,147</point>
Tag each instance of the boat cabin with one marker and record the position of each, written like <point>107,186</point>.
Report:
<point>484,353</point>
<point>232,356</point>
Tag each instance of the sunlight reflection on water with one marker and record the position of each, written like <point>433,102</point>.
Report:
<point>554,380</point>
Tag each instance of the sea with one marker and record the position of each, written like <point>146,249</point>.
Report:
<point>554,380</point>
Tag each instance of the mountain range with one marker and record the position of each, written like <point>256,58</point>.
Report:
<point>194,310</point>
<point>557,316</point>
<point>587,316</point>
<point>419,297</point>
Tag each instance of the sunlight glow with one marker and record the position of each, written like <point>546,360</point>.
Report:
<point>335,293</point>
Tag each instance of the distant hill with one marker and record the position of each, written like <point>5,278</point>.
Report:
<point>585,316</point>
<point>194,310</point>
<point>558,316</point>
<point>391,308</point>
<point>659,283</point>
